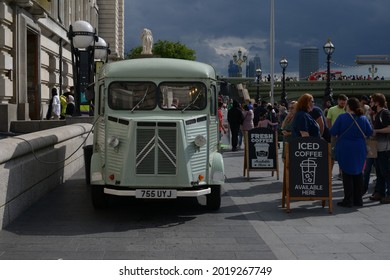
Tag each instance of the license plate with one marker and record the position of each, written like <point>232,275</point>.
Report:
<point>155,194</point>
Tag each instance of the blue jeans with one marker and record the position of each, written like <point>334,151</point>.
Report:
<point>367,173</point>
<point>382,165</point>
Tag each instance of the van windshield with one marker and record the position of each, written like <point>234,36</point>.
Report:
<point>182,96</point>
<point>132,96</point>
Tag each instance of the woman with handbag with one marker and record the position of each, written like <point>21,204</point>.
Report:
<point>351,129</point>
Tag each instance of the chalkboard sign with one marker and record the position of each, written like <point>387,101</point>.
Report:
<point>262,149</point>
<point>308,170</point>
<point>308,158</point>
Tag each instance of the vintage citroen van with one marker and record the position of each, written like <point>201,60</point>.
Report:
<point>156,131</point>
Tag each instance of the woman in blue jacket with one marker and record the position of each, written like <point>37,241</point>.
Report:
<point>351,129</point>
<point>304,125</point>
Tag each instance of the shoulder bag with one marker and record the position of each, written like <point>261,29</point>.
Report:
<point>338,137</point>
<point>371,143</point>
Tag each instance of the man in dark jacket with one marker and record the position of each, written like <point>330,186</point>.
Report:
<point>259,111</point>
<point>235,119</point>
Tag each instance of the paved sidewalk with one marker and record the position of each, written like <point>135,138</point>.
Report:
<point>64,225</point>
<point>250,225</point>
<point>309,232</point>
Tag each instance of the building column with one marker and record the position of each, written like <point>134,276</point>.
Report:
<point>7,109</point>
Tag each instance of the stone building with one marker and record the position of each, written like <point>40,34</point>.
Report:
<point>35,53</point>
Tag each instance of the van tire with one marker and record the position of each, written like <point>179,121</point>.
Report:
<point>99,198</point>
<point>213,199</point>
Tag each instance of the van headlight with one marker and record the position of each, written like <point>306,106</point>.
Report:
<point>113,141</point>
<point>200,141</point>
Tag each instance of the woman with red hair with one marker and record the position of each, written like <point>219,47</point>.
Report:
<point>304,125</point>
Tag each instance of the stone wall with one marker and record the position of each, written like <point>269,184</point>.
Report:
<point>33,164</point>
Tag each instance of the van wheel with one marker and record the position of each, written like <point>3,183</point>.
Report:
<point>213,199</point>
<point>99,198</point>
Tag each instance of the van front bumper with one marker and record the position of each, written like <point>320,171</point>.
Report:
<point>179,193</point>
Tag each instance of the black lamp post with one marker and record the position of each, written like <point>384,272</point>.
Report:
<point>258,78</point>
<point>283,97</point>
<point>239,60</point>
<point>102,50</point>
<point>328,49</point>
<point>82,37</point>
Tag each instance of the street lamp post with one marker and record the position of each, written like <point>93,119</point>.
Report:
<point>239,60</point>
<point>102,50</point>
<point>258,78</point>
<point>373,70</point>
<point>283,97</point>
<point>328,49</point>
<point>82,37</point>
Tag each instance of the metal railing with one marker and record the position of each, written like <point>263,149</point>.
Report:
<point>294,89</point>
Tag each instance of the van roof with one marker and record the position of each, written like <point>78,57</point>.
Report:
<point>157,68</point>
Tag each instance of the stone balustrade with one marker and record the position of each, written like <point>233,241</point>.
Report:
<point>33,164</point>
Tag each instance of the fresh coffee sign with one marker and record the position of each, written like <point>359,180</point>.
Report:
<point>262,149</point>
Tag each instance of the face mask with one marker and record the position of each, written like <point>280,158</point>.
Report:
<point>374,108</point>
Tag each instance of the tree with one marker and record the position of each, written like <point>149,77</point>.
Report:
<point>167,49</point>
<point>134,53</point>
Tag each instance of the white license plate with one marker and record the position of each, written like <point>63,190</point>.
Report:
<point>155,194</point>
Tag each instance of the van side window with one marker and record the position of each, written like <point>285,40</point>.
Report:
<point>101,100</point>
<point>214,104</point>
<point>132,95</point>
<point>182,96</point>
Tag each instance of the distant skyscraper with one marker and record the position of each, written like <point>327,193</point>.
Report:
<point>254,64</point>
<point>233,69</point>
<point>250,68</point>
<point>308,62</point>
<point>257,62</point>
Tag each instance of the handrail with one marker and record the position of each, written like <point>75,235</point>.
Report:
<point>317,88</point>
<point>14,147</point>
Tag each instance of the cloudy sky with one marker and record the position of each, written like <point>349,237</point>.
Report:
<point>216,29</point>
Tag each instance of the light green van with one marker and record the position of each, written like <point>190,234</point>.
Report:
<point>156,131</point>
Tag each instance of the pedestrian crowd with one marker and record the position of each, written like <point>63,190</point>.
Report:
<point>321,77</point>
<point>346,126</point>
<point>60,106</point>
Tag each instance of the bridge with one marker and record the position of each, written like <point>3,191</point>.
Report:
<point>294,89</point>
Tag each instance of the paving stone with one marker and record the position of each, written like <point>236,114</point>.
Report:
<point>250,225</point>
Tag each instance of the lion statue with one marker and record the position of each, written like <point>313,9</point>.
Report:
<point>147,41</point>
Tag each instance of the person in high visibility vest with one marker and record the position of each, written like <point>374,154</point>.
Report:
<point>63,106</point>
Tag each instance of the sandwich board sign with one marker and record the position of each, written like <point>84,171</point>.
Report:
<point>307,171</point>
<point>261,151</point>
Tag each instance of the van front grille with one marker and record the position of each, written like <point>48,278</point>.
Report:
<point>156,149</point>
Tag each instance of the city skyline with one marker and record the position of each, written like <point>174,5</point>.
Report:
<point>217,29</point>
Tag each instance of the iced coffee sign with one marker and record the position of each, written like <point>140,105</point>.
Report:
<point>262,148</point>
<point>308,168</point>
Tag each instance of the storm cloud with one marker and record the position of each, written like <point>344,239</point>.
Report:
<point>216,29</point>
